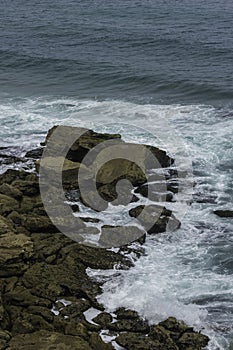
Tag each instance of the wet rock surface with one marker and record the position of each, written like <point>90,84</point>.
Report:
<point>44,286</point>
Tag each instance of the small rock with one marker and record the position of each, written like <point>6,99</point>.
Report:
<point>103,319</point>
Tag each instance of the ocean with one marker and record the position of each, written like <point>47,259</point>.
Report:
<point>158,72</point>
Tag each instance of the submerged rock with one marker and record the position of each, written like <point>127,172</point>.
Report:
<point>224,213</point>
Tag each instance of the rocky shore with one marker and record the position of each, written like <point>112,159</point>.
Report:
<point>46,293</point>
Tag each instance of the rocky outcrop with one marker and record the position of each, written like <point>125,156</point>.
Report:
<point>160,337</point>
<point>44,287</point>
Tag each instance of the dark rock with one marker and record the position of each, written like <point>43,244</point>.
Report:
<point>11,175</point>
<point>45,340</point>
<point>103,319</point>
<point>5,336</point>
<point>88,140</point>
<point>97,258</point>
<point>10,191</point>
<point>130,325</point>
<point>20,296</point>
<point>224,213</point>
<point>121,197</point>
<point>7,204</point>
<point>28,323</point>
<point>192,341</point>
<point>93,220</point>
<point>118,169</point>
<point>125,314</point>
<point>28,204</point>
<point>35,153</point>
<point>28,188</point>
<point>79,329</point>
<point>15,250</point>
<point>155,218</point>
<point>40,267</point>
<point>174,326</point>
<point>55,281</point>
<point>51,168</point>
<point>36,223</point>
<point>75,208</point>
<point>154,193</point>
<point>97,343</point>
<point>135,341</point>
<point>161,156</point>
<point>6,226</point>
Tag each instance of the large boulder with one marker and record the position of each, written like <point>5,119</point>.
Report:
<point>88,140</point>
<point>108,163</point>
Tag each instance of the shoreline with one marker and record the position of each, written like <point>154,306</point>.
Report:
<point>44,285</point>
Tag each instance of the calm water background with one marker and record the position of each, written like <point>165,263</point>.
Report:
<point>93,62</point>
<point>170,51</point>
